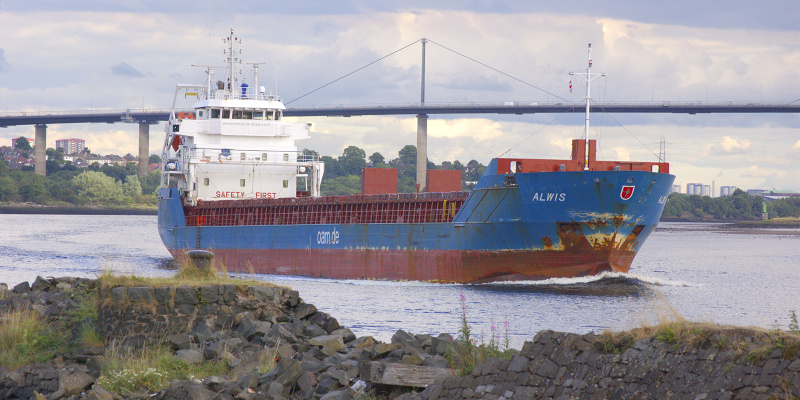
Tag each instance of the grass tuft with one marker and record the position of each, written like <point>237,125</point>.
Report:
<point>25,338</point>
<point>187,275</point>
<point>150,369</point>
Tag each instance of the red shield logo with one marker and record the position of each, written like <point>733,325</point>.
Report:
<point>627,192</point>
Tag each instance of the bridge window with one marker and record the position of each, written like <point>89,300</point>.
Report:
<point>285,157</point>
<point>205,181</point>
<point>226,114</point>
<point>215,113</point>
<point>263,156</point>
<point>258,115</point>
<point>277,115</point>
<point>285,183</point>
<point>241,182</point>
<point>269,116</point>
<point>200,114</point>
<point>243,156</point>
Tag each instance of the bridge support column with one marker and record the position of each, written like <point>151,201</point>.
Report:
<point>422,152</point>
<point>40,149</point>
<point>144,148</point>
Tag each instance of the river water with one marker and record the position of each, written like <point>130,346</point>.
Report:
<point>700,272</point>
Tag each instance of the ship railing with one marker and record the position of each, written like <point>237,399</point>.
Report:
<point>201,154</point>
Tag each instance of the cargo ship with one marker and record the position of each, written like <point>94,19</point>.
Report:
<point>235,184</point>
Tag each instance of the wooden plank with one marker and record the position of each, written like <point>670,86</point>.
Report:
<point>401,374</point>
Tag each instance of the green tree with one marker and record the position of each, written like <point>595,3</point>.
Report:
<point>56,155</point>
<point>3,167</point>
<point>377,159</point>
<point>154,159</point>
<point>98,187</point>
<point>30,187</point>
<point>22,144</point>
<point>341,186</point>
<point>8,189</point>
<point>353,151</point>
<point>474,170</point>
<point>352,161</point>
<point>408,155</point>
<point>132,187</point>
<point>151,182</point>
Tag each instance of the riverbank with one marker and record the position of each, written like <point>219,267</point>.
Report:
<point>33,208</point>
<point>259,341</point>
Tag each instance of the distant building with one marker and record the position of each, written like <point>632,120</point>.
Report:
<point>726,190</point>
<point>676,189</point>
<point>30,141</point>
<point>706,190</point>
<point>694,188</point>
<point>71,146</point>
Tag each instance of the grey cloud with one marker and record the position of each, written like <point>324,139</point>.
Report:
<point>125,69</point>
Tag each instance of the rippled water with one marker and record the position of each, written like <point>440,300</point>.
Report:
<point>702,272</point>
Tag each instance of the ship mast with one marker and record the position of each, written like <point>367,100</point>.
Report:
<point>589,77</point>
<point>233,90</point>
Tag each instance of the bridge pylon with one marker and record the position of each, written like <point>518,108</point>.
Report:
<point>40,149</point>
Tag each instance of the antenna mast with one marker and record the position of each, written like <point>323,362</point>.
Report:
<point>588,75</point>
<point>232,59</point>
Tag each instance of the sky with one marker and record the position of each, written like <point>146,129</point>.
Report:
<point>92,55</point>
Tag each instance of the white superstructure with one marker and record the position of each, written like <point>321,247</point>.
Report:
<point>235,144</point>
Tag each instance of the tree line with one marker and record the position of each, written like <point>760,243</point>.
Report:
<point>66,184</point>
<point>118,185</point>
<point>737,207</point>
<point>343,173</point>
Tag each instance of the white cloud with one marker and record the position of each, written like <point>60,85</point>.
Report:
<point>663,56</point>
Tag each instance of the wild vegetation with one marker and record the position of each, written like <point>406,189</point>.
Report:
<point>466,351</point>
<point>738,207</point>
<point>66,184</point>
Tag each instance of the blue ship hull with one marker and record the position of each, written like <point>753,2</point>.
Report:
<point>523,226</point>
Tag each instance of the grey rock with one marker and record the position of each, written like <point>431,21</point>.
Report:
<point>208,294</point>
<point>143,295</point>
<point>180,341</point>
<point>186,295</point>
<point>163,295</point>
<point>346,334</point>
<point>73,381</point>
<point>304,310</point>
<point>190,356</point>
<point>119,294</point>
<point>40,285</point>
<point>262,293</point>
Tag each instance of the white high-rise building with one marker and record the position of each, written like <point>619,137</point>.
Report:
<point>71,146</point>
<point>726,190</point>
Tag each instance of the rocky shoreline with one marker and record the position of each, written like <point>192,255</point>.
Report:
<point>314,357</point>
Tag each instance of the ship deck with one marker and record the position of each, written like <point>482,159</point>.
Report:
<point>355,209</point>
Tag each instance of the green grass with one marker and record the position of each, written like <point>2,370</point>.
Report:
<point>150,369</point>
<point>187,275</point>
<point>25,338</point>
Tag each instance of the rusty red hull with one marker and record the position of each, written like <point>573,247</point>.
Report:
<point>430,266</point>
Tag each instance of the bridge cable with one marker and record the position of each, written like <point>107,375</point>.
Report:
<point>537,131</point>
<point>353,72</point>
<point>498,71</point>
